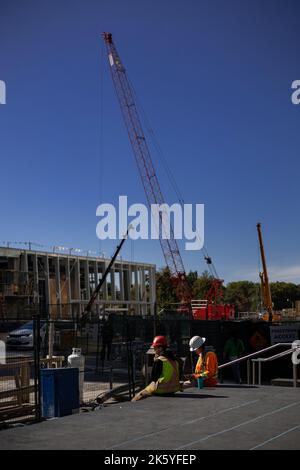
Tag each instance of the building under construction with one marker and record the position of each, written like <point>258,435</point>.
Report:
<point>60,285</point>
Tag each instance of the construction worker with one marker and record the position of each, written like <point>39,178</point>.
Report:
<point>234,349</point>
<point>207,364</point>
<point>165,372</point>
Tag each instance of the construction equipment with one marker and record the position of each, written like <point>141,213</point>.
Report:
<point>107,271</point>
<point>265,286</point>
<point>150,181</point>
<point>145,165</point>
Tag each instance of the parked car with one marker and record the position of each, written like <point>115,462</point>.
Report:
<point>22,337</point>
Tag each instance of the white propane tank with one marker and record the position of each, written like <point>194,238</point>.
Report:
<point>77,360</point>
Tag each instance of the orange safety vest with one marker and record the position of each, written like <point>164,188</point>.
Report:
<point>168,382</point>
<point>207,367</point>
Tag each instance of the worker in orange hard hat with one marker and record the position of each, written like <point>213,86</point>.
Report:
<point>165,372</point>
<point>207,365</point>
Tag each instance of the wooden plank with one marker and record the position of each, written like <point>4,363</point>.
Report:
<point>16,392</point>
<point>16,412</point>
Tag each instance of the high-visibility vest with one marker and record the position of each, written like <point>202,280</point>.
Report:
<point>168,381</point>
<point>207,367</point>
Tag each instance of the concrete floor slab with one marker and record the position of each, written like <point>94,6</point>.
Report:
<point>225,417</point>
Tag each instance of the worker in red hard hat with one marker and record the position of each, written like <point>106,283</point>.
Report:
<point>207,364</point>
<point>166,371</point>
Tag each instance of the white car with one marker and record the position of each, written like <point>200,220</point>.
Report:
<point>22,338</point>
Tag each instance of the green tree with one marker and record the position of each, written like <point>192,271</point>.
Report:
<point>202,285</point>
<point>284,294</point>
<point>165,289</point>
<point>243,294</point>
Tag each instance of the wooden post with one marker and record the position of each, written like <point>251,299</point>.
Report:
<point>25,381</point>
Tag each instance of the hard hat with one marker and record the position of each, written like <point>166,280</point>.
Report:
<point>160,341</point>
<point>196,342</point>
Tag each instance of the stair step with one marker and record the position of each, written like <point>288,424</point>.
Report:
<point>284,382</point>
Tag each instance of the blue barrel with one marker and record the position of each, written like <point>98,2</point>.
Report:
<point>59,392</point>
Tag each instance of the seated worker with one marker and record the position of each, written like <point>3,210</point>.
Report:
<point>165,372</point>
<point>207,364</point>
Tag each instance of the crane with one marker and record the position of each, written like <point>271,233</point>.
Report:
<point>145,165</point>
<point>153,191</point>
<point>265,286</point>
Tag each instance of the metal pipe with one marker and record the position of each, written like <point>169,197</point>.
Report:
<point>253,373</point>
<point>295,381</point>
<point>111,378</point>
<point>248,372</point>
<point>259,372</point>
<point>277,356</point>
<point>249,356</point>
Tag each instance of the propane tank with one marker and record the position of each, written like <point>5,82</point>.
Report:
<point>77,360</point>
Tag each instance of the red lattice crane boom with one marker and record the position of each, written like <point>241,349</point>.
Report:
<point>145,165</point>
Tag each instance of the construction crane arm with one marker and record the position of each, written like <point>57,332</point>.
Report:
<point>144,163</point>
<point>266,291</point>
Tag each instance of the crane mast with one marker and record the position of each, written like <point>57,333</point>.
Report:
<point>265,286</point>
<point>145,165</point>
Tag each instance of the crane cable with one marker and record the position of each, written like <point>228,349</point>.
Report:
<point>170,175</point>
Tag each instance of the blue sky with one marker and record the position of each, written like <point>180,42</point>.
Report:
<point>214,78</point>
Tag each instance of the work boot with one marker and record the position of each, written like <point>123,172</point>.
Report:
<point>141,395</point>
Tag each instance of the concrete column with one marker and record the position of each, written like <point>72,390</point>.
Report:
<point>127,283</point>
<point>136,284</point>
<point>36,297</point>
<point>96,276</point>
<point>143,286</point>
<point>143,290</point>
<point>104,287</point>
<point>68,286</point>
<point>122,281</point>
<point>47,284</point>
<point>87,279</point>
<point>152,289</point>
<point>77,291</point>
<point>57,285</point>
<point>113,284</point>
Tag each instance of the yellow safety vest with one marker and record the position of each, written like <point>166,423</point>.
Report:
<point>168,382</point>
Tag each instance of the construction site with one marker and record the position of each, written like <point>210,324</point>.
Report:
<point>78,337</point>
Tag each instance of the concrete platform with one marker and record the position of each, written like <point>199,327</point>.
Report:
<point>226,417</point>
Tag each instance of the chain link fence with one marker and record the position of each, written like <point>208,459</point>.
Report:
<point>114,346</point>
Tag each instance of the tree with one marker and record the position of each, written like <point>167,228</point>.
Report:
<point>165,289</point>
<point>284,294</point>
<point>243,294</point>
<point>202,285</point>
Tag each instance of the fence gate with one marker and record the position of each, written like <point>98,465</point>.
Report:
<point>19,371</point>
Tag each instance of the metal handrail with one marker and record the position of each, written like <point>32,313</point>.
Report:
<point>250,356</point>
<point>260,360</point>
<point>277,356</point>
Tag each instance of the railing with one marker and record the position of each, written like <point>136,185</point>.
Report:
<point>260,360</point>
<point>252,355</point>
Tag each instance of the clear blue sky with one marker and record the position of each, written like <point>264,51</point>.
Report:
<point>215,80</point>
